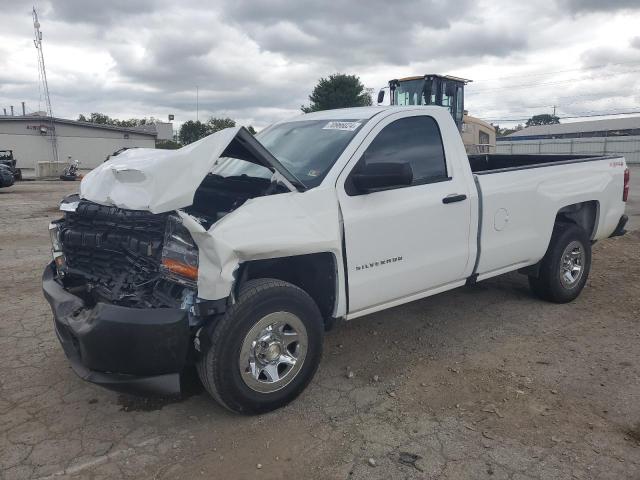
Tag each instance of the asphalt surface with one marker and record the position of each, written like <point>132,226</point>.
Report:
<point>483,382</point>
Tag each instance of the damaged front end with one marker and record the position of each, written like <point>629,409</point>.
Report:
<point>124,281</point>
<point>145,257</point>
<point>125,257</point>
<point>122,287</point>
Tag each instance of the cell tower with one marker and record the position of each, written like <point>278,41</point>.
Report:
<point>37,41</point>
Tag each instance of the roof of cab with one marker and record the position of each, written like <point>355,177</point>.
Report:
<point>354,113</point>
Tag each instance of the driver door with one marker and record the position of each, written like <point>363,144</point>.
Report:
<point>404,241</point>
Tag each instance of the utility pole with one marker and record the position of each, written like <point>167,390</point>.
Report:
<point>37,41</point>
<point>197,110</point>
<point>554,110</point>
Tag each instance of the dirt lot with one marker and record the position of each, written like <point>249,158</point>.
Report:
<point>482,382</point>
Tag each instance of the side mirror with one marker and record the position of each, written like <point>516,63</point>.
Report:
<point>381,96</point>
<point>382,175</point>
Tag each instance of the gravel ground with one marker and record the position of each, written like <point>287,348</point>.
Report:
<point>481,382</point>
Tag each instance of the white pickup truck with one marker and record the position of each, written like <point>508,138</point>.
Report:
<point>236,253</point>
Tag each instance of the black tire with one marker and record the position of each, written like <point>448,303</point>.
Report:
<point>219,367</point>
<point>548,285</point>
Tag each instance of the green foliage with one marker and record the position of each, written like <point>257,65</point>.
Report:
<point>252,130</point>
<point>167,144</point>
<point>337,91</point>
<point>543,119</point>
<point>191,131</point>
<point>102,119</point>
<point>503,132</point>
<point>216,124</point>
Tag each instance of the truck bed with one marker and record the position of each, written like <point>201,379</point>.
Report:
<point>499,162</point>
<point>519,203</point>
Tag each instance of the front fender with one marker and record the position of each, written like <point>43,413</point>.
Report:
<point>275,226</point>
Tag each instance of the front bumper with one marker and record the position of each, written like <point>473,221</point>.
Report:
<point>130,350</point>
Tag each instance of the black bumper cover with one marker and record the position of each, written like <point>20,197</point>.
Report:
<point>130,350</point>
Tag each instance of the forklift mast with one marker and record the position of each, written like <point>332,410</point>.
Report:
<point>442,90</point>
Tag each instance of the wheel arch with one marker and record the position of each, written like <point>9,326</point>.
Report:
<point>583,214</point>
<point>315,273</point>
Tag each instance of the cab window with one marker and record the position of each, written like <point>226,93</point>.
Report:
<point>413,140</point>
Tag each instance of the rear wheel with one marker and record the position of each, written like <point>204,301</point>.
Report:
<point>565,267</point>
<point>265,349</point>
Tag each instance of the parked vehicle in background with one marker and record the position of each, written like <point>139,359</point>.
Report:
<point>71,172</point>
<point>6,176</point>
<point>7,159</point>
<point>240,261</point>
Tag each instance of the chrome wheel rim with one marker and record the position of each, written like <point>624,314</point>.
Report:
<point>273,352</point>
<point>572,264</point>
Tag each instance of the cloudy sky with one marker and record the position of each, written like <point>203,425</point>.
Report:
<point>257,61</point>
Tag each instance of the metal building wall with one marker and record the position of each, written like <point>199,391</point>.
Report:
<point>627,146</point>
<point>89,145</point>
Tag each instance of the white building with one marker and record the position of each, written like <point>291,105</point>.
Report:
<point>89,143</point>
<point>612,136</point>
<point>164,130</point>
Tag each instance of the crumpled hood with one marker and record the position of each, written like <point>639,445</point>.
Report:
<point>163,180</point>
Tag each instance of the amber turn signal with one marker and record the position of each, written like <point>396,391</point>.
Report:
<point>179,268</point>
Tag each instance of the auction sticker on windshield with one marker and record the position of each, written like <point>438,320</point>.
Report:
<point>348,126</point>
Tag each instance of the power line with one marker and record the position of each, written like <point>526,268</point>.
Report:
<point>594,67</point>
<point>581,114</point>
<point>559,102</point>
<point>559,82</point>
<point>611,114</point>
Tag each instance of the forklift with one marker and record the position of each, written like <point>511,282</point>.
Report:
<point>444,91</point>
<point>441,90</point>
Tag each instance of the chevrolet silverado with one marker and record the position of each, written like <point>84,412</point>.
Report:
<point>235,253</point>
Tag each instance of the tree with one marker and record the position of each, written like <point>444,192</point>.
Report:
<point>167,144</point>
<point>99,118</point>
<point>543,119</point>
<point>102,119</point>
<point>216,124</point>
<point>252,130</point>
<point>503,132</point>
<point>338,91</point>
<point>191,131</point>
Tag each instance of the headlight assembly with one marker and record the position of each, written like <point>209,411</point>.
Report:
<point>56,247</point>
<point>179,254</point>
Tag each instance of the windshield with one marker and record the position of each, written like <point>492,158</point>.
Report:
<point>410,92</point>
<point>307,148</point>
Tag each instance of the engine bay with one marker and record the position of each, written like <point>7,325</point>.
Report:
<point>115,255</point>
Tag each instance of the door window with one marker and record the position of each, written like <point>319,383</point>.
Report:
<point>413,140</point>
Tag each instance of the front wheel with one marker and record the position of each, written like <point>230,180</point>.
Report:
<point>265,349</point>
<point>565,267</point>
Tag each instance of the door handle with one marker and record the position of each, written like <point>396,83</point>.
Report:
<point>454,197</point>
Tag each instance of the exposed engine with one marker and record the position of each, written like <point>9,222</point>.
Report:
<point>115,255</point>
<point>131,257</point>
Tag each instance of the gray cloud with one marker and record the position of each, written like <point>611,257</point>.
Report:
<point>587,6</point>
<point>360,33</point>
<point>101,12</point>
<point>257,61</point>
